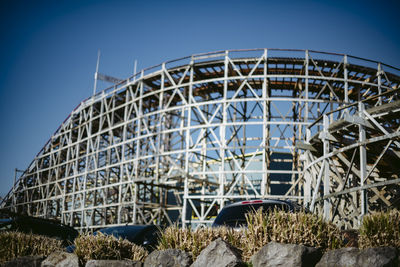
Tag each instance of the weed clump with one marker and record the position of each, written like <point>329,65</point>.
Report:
<point>380,229</point>
<point>279,226</point>
<point>194,241</point>
<point>107,247</point>
<point>291,228</point>
<point>17,244</point>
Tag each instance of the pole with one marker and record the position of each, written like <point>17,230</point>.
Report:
<point>97,71</point>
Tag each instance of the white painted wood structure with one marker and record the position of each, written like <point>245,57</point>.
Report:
<point>178,141</point>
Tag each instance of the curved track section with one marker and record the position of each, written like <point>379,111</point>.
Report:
<point>180,140</point>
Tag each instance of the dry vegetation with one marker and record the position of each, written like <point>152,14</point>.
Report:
<point>194,241</point>
<point>16,244</point>
<point>377,229</point>
<point>295,228</point>
<point>380,229</point>
<point>106,247</point>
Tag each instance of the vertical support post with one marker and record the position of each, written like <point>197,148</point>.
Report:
<point>86,173</point>
<point>222,174</point>
<point>187,147</point>
<point>307,175</point>
<point>160,141</point>
<point>134,70</point>
<point>63,193</point>
<point>306,87</point>
<point>204,176</point>
<point>14,202</point>
<point>71,223</point>
<point>327,206</point>
<point>83,190</point>
<point>122,163</point>
<point>363,163</point>
<point>265,121</point>
<point>182,132</point>
<point>379,83</point>
<point>138,134</point>
<point>204,168</point>
<point>103,119</point>
<point>67,188</point>
<point>346,82</point>
<point>305,116</point>
<point>160,122</point>
<point>90,153</point>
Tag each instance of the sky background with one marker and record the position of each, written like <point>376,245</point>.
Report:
<point>48,49</point>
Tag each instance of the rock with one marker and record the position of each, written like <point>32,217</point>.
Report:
<point>339,257</point>
<point>27,261</point>
<point>61,259</point>
<point>168,258</point>
<point>353,257</point>
<point>218,254</point>
<point>277,254</point>
<point>378,257</point>
<point>113,263</point>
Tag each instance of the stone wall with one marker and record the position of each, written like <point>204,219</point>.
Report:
<point>221,254</point>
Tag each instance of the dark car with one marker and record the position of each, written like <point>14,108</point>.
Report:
<point>142,235</point>
<point>234,215</point>
<point>39,226</point>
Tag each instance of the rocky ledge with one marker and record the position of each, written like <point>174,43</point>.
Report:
<point>221,254</point>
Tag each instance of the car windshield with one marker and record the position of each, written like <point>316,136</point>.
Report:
<point>234,216</point>
<point>5,224</point>
<point>5,221</point>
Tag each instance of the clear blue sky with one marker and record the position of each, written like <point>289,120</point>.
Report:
<point>48,49</point>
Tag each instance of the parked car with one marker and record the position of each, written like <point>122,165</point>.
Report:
<point>142,235</point>
<point>39,226</point>
<point>234,215</point>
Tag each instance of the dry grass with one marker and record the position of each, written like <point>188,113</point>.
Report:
<point>380,229</point>
<point>17,244</point>
<point>107,247</point>
<point>195,241</point>
<point>295,228</point>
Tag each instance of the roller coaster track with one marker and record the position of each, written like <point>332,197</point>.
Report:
<point>178,141</point>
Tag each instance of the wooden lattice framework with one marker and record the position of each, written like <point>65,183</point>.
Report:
<point>178,141</point>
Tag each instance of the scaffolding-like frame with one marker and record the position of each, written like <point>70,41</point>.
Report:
<point>178,141</point>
